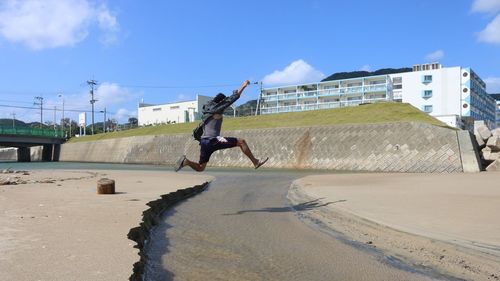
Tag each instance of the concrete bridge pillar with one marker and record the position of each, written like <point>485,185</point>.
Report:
<point>47,153</point>
<point>56,152</point>
<point>50,152</point>
<point>23,154</point>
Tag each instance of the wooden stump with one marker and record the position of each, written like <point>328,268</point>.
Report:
<point>105,186</point>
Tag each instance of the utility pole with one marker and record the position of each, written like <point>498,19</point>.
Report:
<point>55,108</point>
<point>105,120</point>
<point>92,84</point>
<point>258,99</point>
<point>13,120</point>
<point>234,110</point>
<point>40,103</point>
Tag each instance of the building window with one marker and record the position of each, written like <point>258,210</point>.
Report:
<point>397,80</point>
<point>174,107</point>
<point>157,109</point>
<point>397,87</point>
<point>427,108</point>
<point>426,78</point>
<point>426,94</point>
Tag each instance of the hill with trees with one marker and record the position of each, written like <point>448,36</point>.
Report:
<point>356,74</point>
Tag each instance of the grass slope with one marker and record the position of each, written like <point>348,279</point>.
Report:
<point>365,114</point>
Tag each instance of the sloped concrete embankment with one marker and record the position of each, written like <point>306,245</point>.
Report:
<point>388,147</point>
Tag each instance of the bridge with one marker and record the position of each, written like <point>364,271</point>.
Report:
<point>24,138</point>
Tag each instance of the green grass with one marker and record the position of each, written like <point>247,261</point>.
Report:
<point>365,114</point>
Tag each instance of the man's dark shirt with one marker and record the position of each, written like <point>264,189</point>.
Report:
<point>213,126</point>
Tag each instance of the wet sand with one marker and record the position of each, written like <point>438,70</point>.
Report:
<point>62,230</point>
<point>450,222</point>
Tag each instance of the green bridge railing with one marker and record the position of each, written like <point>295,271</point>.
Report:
<point>38,132</point>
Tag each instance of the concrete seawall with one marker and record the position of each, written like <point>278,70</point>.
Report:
<point>387,147</point>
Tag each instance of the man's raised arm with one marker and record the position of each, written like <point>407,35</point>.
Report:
<point>243,86</point>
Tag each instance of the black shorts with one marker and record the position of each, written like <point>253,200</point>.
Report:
<point>209,146</point>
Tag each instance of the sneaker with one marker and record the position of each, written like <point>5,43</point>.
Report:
<point>179,163</point>
<point>261,162</point>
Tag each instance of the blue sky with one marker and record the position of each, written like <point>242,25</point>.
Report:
<point>164,51</point>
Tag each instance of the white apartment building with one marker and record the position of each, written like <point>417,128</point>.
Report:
<point>497,99</point>
<point>455,95</point>
<point>179,112</point>
<point>329,94</point>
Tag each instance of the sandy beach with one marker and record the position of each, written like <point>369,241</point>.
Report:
<point>53,225</point>
<point>449,222</point>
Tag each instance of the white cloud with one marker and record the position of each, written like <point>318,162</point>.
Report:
<point>123,114</point>
<point>365,67</point>
<point>434,56</point>
<point>486,6</point>
<point>297,72</point>
<point>109,94</point>
<point>109,24</point>
<point>184,97</point>
<point>491,34</point>
<point>41,24</point>
<point>492,85</point>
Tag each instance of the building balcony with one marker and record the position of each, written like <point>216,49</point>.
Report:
<point>329,92</point>
<point>345,91</point>
<point>376,88</point>
<point>321,105</point>
<point>269,99</point>
<point>287,96</point>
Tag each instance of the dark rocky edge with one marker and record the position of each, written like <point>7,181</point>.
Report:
<point>152,217</point>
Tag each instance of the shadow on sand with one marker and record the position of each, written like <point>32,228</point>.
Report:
<point>298,207</point>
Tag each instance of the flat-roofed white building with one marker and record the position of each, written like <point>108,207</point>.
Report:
<point>178,112</point>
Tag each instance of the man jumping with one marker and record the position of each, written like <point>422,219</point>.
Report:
<point>211,140</point>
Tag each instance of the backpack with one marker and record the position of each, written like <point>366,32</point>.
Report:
<point>198,131</point>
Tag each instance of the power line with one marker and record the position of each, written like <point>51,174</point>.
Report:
<point>45,108</point>
<point>177,87</point>
<point>25,102</point>
<point>25,92</point>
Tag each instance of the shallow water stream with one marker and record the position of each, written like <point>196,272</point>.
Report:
<point>243,228</point>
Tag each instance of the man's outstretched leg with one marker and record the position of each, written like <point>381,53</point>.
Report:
<point>183,161</point>
<point>246,150</point>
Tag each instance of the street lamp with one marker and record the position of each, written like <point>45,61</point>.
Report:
<point>61,96</point>
<point>104,124</point>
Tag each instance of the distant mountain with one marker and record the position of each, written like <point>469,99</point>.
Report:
<point>356,74</point>
<point>246,109</point>
<point>6,122</point>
